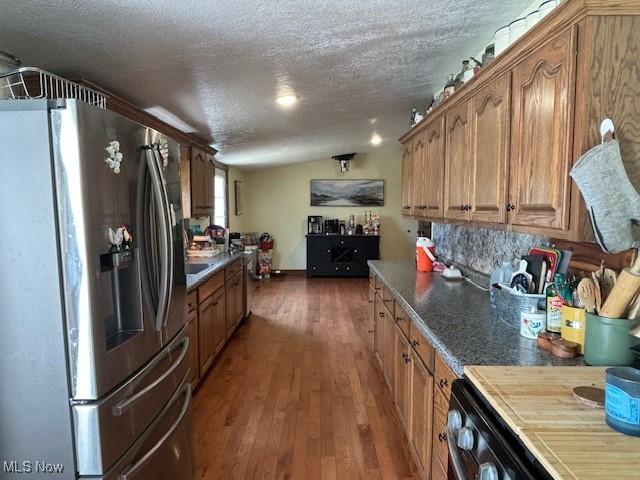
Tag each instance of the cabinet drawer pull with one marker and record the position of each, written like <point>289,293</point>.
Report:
<point>415,343</point>
<point>442,437</point>
<point>443,382</point>
<point>381,314</point>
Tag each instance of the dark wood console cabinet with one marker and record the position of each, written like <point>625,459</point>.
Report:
<point>341,255</point>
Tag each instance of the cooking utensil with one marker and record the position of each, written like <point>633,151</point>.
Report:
<point>623,292</point>
<point>587,294</point>
<point>634,308</point>
<point>607,282</point>
<point>597,291</point>
<point>522,278</point>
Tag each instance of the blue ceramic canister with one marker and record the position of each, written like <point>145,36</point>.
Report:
<point>622,399</point>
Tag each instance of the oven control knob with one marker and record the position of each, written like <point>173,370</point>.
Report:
<point>454,420</point>
<point>488,471</point>
<point>465,438</point>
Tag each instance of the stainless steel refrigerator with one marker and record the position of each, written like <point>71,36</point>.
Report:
<point>93,353</point>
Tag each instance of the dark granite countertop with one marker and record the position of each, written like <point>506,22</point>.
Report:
<point>457,319</point>
<point>214,265</point>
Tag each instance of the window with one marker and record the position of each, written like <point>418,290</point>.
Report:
<point>220,198</point>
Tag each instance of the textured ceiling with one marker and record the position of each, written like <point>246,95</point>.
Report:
<point>218,65</point>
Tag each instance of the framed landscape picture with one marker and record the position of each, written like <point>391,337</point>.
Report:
<point>347,193</point>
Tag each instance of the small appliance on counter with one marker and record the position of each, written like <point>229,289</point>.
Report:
<point>332,226</point>
<point>314,225</point>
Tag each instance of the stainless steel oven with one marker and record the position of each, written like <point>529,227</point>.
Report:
<point>481,445</point>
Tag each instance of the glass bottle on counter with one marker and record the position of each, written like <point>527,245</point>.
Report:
<point>554,304</point>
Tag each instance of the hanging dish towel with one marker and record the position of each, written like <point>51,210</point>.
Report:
<point>612,201</point>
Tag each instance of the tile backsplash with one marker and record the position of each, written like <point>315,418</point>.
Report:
<point>481,249</point>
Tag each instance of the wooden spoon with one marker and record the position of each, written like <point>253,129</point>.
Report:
<point>598,292</point>
<point>607,282</point>
<point>587,293</point>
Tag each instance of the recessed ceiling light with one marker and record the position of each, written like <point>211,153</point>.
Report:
<point>373,120</point>
<point>376,139</point>
<point>286,100</point>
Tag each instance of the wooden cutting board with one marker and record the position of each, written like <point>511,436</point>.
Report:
<point>571,440</point>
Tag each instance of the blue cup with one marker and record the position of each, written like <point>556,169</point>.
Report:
<point>622,400</point>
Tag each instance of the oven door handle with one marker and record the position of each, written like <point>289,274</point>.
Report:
<point>454,455</point>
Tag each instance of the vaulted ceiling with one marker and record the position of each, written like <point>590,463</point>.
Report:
<point>357,66</point>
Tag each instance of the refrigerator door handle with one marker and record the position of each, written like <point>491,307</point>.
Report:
<point>169,231</point>
<point>128,473</point>
<point>125,403</point>
<point>165,248</point>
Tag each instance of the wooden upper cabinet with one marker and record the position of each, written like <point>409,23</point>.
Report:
<point>417,183</point>
<point>201,183</point>
<point>490,124</point>
<point>457,163</point>
<point>541,140</point>
<point>407,177</point>
<point>433,175</point>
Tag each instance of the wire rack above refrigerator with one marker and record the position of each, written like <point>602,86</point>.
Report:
<point>30,83</point>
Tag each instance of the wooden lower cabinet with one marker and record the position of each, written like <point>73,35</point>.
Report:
<point>192,334</point>
<point>421,413</point>
<point>211,322</point>
<point>371,318</point>
<point>402,387</point>
<point>235,304</point>
<point>378,330</point>
<point>389,344</point>
<point>420,384</point>
<point>440,410</point>
<point>438,471</point>
<point>206,326</point>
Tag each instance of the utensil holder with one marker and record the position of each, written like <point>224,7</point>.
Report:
<point>508,306</point>
<point>573,326</point>
<point>607,341</point>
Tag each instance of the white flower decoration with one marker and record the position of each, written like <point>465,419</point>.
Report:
<point>114,157</point>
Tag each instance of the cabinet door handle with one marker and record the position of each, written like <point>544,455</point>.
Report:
<point>442,437</point>
<point>462,208</point>
<point>381,314</point>
<point>415,343</point>
<point>443,382</point>
<point>510,206</point>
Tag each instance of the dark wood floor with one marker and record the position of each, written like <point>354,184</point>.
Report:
<point>296,393</point>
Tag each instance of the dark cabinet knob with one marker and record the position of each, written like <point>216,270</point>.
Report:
<point>510,206</point>
<point>415,343</point>
<point>462,208</point>
<point>442,437</point>
<point>443,382</point>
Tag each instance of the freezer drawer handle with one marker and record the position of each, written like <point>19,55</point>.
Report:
<point>125,403</point>
<point>128,474</point>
